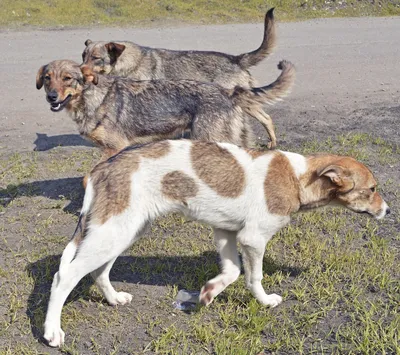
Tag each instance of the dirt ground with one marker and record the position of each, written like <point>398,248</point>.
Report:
<point>346,100</point>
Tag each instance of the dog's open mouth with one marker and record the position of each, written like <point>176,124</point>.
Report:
<point>58,106</point>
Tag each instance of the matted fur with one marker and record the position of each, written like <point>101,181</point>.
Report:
<point>140,189</point>
<point>123,58</point>
<point>114,112</point>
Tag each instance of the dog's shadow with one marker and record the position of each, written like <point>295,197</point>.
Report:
<point>129,269</point>
<point>58,189</point>
<point>44,142</point>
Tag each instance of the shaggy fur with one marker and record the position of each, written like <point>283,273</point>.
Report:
<point>198,179</point>
<point>143,63</point>
<point>115,112</point>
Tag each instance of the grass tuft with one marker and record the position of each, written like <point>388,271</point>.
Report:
<point>62,13</point>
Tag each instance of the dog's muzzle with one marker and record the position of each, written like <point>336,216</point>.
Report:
<point>58,106</point>
<point>381,214</point>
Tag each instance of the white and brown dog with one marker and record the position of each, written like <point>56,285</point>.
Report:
<point>246,195</point>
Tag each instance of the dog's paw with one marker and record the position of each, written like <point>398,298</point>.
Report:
<point>271,300</point>
<point>271,145</point>
<point>121,298</point>
<point>206,294</point>
<point>54,335</point>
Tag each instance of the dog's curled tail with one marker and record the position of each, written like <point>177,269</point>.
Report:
<point>247,60</point>
<point>269,94</point>
<point>80,230</point>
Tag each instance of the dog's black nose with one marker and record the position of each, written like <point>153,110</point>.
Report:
<point>387,211</point>
<point>52,96</point>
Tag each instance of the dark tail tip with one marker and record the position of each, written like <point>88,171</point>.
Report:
<point>270,14</point>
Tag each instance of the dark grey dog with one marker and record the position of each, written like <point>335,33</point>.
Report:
<point>116,112</point>
<point>131,60</point>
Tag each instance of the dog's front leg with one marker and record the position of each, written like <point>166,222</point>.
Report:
<point>253,244</point>
<point>226,245</point>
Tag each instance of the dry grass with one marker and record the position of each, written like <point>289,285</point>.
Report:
<point>55,13</point>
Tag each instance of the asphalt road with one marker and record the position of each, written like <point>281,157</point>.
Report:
<point>343,65</point>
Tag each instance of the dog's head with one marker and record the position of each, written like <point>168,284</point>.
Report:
<point>101,56</point>
<point>355,187</point>
<point>63,81</point>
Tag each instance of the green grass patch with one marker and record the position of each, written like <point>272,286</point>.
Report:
<point>55,13</point>
<point>337,272</point>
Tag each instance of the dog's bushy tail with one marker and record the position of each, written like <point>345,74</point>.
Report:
<point>281,87</point>
<point>247,60</point>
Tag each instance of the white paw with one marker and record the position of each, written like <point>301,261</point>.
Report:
<point>206,294</point>
<point>54,335</point>
<point>121,298</point>
<point>271,300</point>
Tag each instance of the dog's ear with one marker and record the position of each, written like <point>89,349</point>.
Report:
<point>39,77</point>
<point>87,42</point>
<point>88,75</point>
<point>339,176</point>
<point>114,50</point>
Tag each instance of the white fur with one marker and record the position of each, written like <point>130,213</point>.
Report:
<point>87,200</point>
<point>298,162</point>
<point>384,209</point>
<point>244,219</point>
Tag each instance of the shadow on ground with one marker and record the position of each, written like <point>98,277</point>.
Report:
<point>126,269</point>
<point>58,189</point>
<point>44,142</point>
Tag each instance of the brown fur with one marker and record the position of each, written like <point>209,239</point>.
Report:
<point>111,141</point>
<point>343,180</point>
<point>255,153</point>
<point>156,151</point>
<point>116,112</point>
<point>113,196</point>
<point>281,187</point>
<point>219,169</point>
<point>176,185</point>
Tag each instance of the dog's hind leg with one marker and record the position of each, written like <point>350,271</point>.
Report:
<point>266,121</point>
<point>99,249</point>
<point>253,247</point>
<point>102,279</point>
<point>230,264</point>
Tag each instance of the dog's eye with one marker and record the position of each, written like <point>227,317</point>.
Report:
<point>47,77</point>
<point>373,189</point>
<point>67,78</point>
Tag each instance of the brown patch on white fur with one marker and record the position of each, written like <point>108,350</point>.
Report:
<point>112,185</point>
<point>315,191</point>
<point>218,168</point>
<point>281,186</point>
<point>176,185</point>
<point>254,153</point>
<point>156,151</point>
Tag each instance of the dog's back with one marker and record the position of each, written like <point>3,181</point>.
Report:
<point>219,179</point>
<point>146,111</point>
<point>128,59</point>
